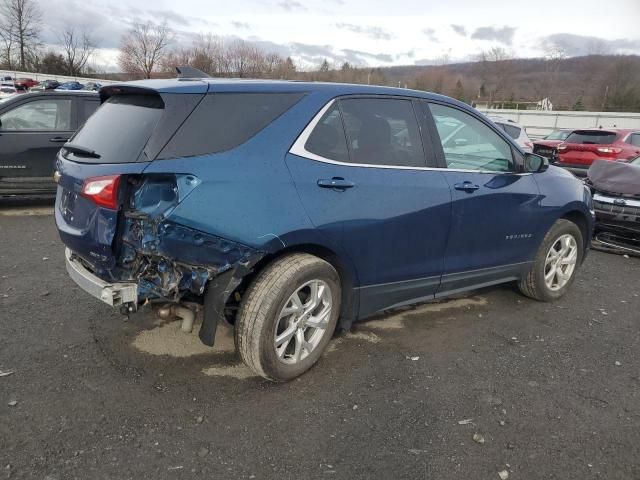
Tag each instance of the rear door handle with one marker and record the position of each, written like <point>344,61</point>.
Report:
<point>466,186</point>
<point>59,139</point>
<point>337,183</point>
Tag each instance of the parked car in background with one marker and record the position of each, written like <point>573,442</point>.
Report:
<point>616,200</point>
<point>515,131</point>
<point>45,85</point>
<point>25,83</point>
<point>33,127</point>
<point>582,147</point>
<point>93,86</point>
<point>7,91</point>
<point>325,203</point>
<point>547,145</point>
<point>70,86</point>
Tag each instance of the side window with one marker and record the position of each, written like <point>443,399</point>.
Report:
<point>223,121</point>
<point>49,114</point>
<point>328,139</point>
<point>468,143</point>
<point>512,131</point>
<point>634,139</point>
<point>88,107</point>
<point>382,131</point>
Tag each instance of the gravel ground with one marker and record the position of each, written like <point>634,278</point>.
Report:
<point>547,390</point>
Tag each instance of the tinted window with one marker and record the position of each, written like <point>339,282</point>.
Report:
<point>328,139</point>
<point>468,143</point>
<point>119,130</point>
<point>88,108</point>
<point>635,139</point>
<point>591,137</point>
<point>382,132</point>
<point>50,114</point>
<point>512,131</point>
<point>223,121</point>
<point>557,135</point>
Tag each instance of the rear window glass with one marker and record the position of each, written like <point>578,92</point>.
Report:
<point>557,135</point>
<point>223,121</point>
<point>592,137</point>
<point>119,129</point>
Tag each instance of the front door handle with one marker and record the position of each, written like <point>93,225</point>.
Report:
<point>336,183</point>
<point>466,186</point>
<point>59,139</point>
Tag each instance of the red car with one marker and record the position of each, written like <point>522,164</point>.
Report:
<point>547,145</point>
<point>27,83</point>
<point>582,147</point>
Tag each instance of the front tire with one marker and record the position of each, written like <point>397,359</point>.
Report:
<point>288,316</point>
<point>556,262</point>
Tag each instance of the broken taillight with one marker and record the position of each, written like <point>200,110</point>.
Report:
<point>102,191</point>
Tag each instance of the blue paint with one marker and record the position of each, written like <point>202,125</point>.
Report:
<point>398,234</point>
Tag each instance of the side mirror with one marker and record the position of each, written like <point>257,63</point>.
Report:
<point>535,163</point>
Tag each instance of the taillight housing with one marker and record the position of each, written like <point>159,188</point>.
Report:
<point>102,191</point>
<point>609,149</point>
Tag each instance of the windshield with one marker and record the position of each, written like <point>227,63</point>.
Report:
<point>557,135</point>
<point>120,129</point>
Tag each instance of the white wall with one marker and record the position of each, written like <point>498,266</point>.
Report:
<point>41,76</point>
<point>539,123</point>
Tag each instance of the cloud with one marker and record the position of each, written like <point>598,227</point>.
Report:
<point>171,17</point>
<point>431,34</point>
<point>502,35</point>
<point>358,56</point>
<point>459,29</point>
<point>291,5</point>
<point>376,33</point>
<point>576,45</point>
<point>240,24</point>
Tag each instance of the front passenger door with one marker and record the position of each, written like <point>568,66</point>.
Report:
<point>496,213</point>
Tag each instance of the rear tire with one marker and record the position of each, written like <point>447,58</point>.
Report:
<point>288,316</point>
<point>556,262</point>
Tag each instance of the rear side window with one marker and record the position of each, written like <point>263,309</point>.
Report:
<point>45,115</point>
<point>328,139</point>
<point>223,121</point>
<point>120,128</point>
<point>512,131</point>
<point>593,137</point>
<point>382,131</point>
<point>634,139</point>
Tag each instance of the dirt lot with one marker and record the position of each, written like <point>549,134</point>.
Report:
<point>552,390</point>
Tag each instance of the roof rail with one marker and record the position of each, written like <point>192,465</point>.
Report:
<point>186,71</point>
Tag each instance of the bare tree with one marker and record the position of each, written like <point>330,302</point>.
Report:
<point>143,48</point>
<point>78,47</point>
<point>20,24</point>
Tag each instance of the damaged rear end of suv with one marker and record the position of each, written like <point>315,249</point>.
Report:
<point>147,187</point>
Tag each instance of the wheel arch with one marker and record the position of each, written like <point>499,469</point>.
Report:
<point>582,221</point>
<point>346,271</point>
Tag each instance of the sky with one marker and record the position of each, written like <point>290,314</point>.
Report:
<point>366,33</point>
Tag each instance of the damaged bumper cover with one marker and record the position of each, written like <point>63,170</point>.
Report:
<point>115,294</point>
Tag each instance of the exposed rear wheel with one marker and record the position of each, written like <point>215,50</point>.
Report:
<point>556,262</point>
<point>288,316</point>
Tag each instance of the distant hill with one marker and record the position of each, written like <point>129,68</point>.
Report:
<point>595,82</point>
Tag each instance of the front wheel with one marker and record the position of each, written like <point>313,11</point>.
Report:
<point>288,316</point>
<point>554,268</point>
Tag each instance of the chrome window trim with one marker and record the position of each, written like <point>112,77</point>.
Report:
<point>298,148</point>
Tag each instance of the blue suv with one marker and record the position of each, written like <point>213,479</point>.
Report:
<point>289,209</point>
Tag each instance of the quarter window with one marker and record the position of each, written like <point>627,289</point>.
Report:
<point>382,131</point>
<point>634,139</point>
<point>48,115</point>
<point>468,143</point>
<point>327,139</point>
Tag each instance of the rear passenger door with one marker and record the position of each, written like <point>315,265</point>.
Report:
<point>32,132</point>
<point>360,170</point>
<point>497,219</point>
